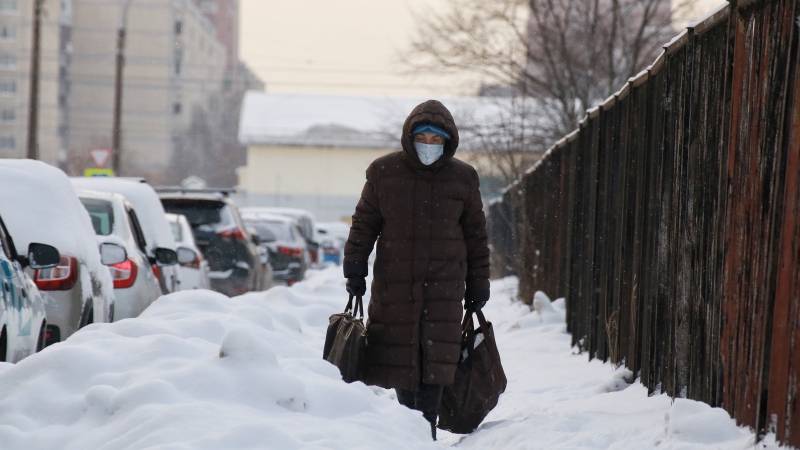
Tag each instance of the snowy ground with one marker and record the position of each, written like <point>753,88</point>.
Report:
<point>201,371</point>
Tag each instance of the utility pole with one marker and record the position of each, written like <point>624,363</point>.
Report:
<point>33,97</point>
<point>116,133</point>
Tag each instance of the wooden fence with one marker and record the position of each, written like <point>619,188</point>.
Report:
<point>670,220</point>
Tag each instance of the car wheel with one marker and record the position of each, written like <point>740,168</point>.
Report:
<point>41,342</point>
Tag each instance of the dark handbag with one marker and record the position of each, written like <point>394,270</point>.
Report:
<point>345,341</point>
<point>479,379</point>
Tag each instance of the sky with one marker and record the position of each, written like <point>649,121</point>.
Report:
<point>339,47</point>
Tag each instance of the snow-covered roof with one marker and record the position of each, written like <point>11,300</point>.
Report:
<point>38,204</point>
<point>144,200</point>
<point>350,121</point>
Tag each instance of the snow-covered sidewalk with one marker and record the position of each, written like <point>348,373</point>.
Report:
<point>201,371</point>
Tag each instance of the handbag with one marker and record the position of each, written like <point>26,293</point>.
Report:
<point>345,341</point>
<point>479,379</point>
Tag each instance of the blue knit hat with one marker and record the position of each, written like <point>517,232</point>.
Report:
<point>430,128</point>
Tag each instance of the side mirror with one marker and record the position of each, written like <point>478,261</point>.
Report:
<point>254,238</point>
<point>111,254</point>
<point>42,256</point>
<point>186,256</point>
<point>166,256</point>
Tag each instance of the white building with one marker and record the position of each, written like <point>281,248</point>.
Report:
<point>173,64</point>
<point>16,33</point>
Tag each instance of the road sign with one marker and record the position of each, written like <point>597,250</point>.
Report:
<point>100,156</point>
<point>98,172</point>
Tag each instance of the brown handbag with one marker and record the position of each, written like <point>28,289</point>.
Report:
<point>345,341</point>
<point>479,379</point>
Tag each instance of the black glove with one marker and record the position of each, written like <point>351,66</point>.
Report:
<point>474,306</point>
<point>357,286</point>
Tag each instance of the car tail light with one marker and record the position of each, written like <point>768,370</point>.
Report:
<point>59,278</point>
<point>156,270</point>
<point>291,251</point>
<point>233,233</point>
<point>124,274</point>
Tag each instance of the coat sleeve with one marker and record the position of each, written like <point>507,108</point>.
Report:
<point>367,225</point>
<point>473,223</point>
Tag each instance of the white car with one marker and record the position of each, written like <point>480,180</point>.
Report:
<point>38,204</point>
<point>114,220</point>
<point>154,224</point>
<point>193,266</point>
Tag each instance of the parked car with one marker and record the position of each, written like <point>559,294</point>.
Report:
<point>114,219</point>
<point>305,222</point>
<point>23,322</point>
<point>193,266</point>
<point>332,237</point>
<point>39,204</point>
<point>232,253</point>
<point>161,248</point>
<point>285,243</point>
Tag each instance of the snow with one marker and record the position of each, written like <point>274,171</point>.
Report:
<point>199,370</point>
<point>38,204</point>
<point>145,202</point>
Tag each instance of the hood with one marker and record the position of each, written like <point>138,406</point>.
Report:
<point>434,112</point>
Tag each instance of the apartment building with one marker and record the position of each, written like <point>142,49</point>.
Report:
<point>16,33</point>
<point>174,64</point>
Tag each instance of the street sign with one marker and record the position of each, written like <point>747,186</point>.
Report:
<point>98,172</point>
<point>100,156</point>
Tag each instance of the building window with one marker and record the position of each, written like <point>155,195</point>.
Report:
<point>8,115</point>
<point>8,61</point>
<point>8,87</point>
<point>178,61</point>
<point>7,6</point>
<point>177,108</point>
<point>178,27</point>
<point>8,32</point>
<point>8,142</point>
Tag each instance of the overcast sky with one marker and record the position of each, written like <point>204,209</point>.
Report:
<point>348,46</point>
<point>337,46</point>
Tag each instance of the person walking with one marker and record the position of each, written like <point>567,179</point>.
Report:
<point>423,206</point>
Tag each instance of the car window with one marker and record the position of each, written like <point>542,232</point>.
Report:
<point>211,213</point>
<point>136,229</point>
<point>5,242</point>
<point>280,230</point>
<point>102,214</point>
<point>177,231</point>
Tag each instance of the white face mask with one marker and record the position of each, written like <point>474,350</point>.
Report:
<point>429,153</point>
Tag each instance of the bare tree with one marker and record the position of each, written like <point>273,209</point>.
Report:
<point>566,54</point>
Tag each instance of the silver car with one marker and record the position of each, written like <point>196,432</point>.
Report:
<point>23,322</point>
<point>115,221</point>
<point>193,266</point>
<point>39,204</point>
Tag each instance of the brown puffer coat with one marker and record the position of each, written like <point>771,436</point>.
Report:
<point>431,234</point>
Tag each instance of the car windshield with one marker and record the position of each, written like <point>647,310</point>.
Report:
<point>102,215</point>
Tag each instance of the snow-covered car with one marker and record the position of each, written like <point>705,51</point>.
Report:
<point>161,248</point>
<point>39,204</point>
<point>332,237</point>
<point>285,243</point>
<point>115,221</point>
<point>305,222</point>
<point>23,321</point>
<point>193,266</point>
<point>221,235</point>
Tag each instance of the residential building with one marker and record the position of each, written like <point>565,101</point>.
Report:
<point>174,64</point>
<point>16,36</point>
